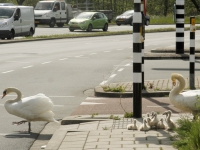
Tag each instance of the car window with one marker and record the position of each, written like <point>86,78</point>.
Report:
<point>84,16</point>
<point>63,6</point>
<point>57,6</point>
<point>101,16</point>
<point>128,13</point>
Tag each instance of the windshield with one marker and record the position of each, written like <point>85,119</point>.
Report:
<point>128,13</point>
<point>44,6</point>
<point>84,16</point>
<point>6,12</point>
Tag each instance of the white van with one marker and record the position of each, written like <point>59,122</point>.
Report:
<point>16,21</point>
<point>53,12</point>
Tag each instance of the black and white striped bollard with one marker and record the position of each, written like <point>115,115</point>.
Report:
<point>192,52</point>
<point>180,26</point>
<point>137,60</point>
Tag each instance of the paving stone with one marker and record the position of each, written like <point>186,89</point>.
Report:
<point>109,139</point>
<point>110,146</point>
<point>97,143</point>
<point>67,138</point>
<point>121,142</point>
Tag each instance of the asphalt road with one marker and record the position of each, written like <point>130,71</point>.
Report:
<point>64,69</point>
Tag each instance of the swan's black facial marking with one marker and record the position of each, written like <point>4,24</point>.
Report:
<point>4,93</point>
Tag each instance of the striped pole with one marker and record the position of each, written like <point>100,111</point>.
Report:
<point>192,52</point>
<point>137,61</point>
<point>143,35</point>
<point>180,26</point>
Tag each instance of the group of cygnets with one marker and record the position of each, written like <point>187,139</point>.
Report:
<point>152,121</point>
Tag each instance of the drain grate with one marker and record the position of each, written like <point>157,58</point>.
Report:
<point>122,123</point>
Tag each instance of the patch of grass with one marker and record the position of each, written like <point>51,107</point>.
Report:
<point>120,88</point>
<point>105,128</point>
<point>94,115</point>
<point>128,115</point>
<point>114,117</point>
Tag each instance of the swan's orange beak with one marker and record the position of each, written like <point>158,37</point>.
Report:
<point>4,94</point>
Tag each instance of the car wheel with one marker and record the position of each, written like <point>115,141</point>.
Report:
<point>119,24</point>
<point>52,23</point>
<point>60,24</point>
<point>147,22</point>
<point>30,33</point>
<point>71,30</point>
<point>89,29</point>
<point>12,35</point>
<point>105,28</point>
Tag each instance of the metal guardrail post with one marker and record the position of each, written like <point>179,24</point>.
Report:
<point>192,52</point>
<point>137,60</point>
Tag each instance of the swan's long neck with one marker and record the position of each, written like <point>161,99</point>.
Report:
<point>19,95</point>
<point>176,90</point>
<point>168,117</point>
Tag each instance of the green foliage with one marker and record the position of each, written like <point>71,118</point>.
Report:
<point>94,115</point>
<point>188,134</point>
<point>128,115</point>
<point>114,117</point>
<point>120,88</point>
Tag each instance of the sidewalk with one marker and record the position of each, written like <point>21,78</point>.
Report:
<point>90,128</point>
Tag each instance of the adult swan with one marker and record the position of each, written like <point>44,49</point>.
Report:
<point>185,101</point>
<point>33,108</point>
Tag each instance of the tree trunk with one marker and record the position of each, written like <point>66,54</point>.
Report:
<point>165,8</point>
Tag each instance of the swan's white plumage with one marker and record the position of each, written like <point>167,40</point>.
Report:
<point>185,101</point>
<point>33,108</point>
<point>132,126</point>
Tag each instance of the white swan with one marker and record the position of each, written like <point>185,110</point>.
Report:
<point>132,126</point>
<point>152,122</point>
<point>185,101</point>
<point>144,126</point>
<point>170,123</point>
<point>161,124</point>
<point>33,108</point>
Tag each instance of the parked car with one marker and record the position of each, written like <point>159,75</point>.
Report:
<point>127,18</point>
<point>88,21</point>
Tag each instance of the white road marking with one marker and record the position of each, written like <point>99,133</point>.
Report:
<point>63,59</point>
<point>28,67</point>
<point>17,62</point>
<point>61,96</point>
<point>90,103</point>
<point>46,62</point>
<point>119,49</point>
<point>162,106</point>
<point>113,75</point>
<point>95,98</point>
<point>121,69</point>
<point>127,64</point>
<point>104,82</point>
<point>8,71</point>
<point>93,53</point>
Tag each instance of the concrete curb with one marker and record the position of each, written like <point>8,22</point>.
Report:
<point>100,93</point>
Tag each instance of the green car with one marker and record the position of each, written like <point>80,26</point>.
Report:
<point>88,21</point>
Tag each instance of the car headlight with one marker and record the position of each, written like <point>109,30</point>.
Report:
<point>4,24</point>
<point>82,22</point>
<point>47,15</point>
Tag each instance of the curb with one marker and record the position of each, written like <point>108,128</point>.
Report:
<point>98,91</point>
